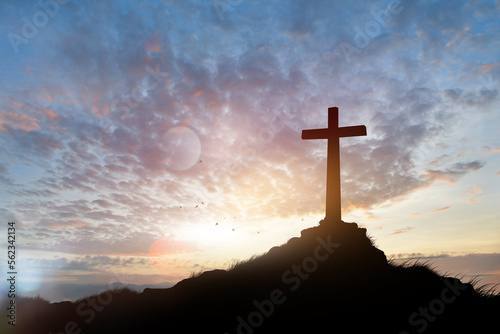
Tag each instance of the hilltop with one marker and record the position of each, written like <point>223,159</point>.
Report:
<point>330,278</point>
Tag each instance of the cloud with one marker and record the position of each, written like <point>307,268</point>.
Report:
<point>402,230</point>
<point>102,203</point>
<point>87,262</point>
<point>4,175</point>
<point>493,150</point>
<point>31,146</point>
<point>154,45</point>
<point>419,256</point>
<point>488,67</point>
<point>454,172</point>
<point>17,122</point>
<point>475,191</point>
<point>485,266</point>
<point>442,209</point>
<point>69,223</point>
<point>458,36</point>
<point>25,116</point>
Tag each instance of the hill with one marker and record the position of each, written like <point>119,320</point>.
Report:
<point>332,278</point>
<point>54,292</point>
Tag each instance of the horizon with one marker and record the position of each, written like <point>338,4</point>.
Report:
<point>144,143</point>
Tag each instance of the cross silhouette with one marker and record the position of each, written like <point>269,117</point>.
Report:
<point>333,133</point>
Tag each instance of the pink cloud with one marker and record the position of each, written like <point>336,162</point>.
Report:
<point>32,111</point>
<point>17,122</point>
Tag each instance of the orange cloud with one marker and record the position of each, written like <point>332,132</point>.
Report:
<point>442,209</point>
<point>100,112</point>
<point>475,191</point>
<point>439,177</point>
<point>402,230</point>
<point>17,122</point>
<point>32,112</point>
<point>49,114</point>
<point>488,67</point>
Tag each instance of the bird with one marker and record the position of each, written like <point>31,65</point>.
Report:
<point>196,206</point>
<point>234,217</point>
<point>216,224</point>
<point>302,220</point>
<point>232,229</point>
<point>202,202</point>
<point>180,207</point>
<point>201,161</point>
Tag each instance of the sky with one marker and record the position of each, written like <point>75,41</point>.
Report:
<point>142,142</point>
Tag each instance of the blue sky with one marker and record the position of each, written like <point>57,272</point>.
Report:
<point>146,141</point>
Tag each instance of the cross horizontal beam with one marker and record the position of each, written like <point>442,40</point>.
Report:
<point>346,131</point>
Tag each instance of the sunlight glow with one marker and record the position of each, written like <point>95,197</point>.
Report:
<point>210,235</point>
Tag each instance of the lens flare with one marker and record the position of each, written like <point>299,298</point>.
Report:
<point>183,148</point>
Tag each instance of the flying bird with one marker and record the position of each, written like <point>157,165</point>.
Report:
<point>216,224</point>
<point>196,206</point>
<point>232,229</point>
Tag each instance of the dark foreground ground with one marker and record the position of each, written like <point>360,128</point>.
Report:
<point>330,280</point>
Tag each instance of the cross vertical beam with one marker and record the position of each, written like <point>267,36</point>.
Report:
<point>333,201</point>
<point>333,133</point>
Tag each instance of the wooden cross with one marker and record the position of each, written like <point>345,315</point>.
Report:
<point>333,133</point>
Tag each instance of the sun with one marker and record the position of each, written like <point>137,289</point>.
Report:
<point>212,234</point>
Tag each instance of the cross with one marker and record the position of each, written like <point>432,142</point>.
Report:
<point>333,133</point>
